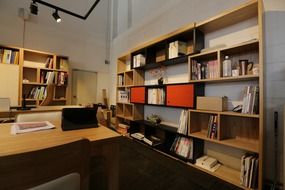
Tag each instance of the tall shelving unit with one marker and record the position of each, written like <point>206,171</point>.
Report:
<point>34,67</point>
<point>236,131</point>
<point>126,78</point>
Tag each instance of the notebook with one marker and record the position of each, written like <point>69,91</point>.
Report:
<point>79,118</point>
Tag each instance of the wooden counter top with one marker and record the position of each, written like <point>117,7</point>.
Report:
<point>13,144</point>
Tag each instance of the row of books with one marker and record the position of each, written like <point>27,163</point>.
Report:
<point>249,171</point>
<point>184,122</point>
<point>120,80</point>
<point>47,77</point>
<point>9,56</point>
<point>138,60</point>
<point>61,78</point>
<point>204,70</point>
<point>183,147</point>
<point>38,93</point>
<point>250,100</point>
<point>123,96</point>
<point>151,140</point>
<point>212,127</point>
<point>49,63</point>
<point>176,49</point>
<point>156,96</point>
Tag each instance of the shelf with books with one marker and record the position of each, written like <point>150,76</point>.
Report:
<point>234,133</point>
<point>9,55</point>
<point>208,66</point>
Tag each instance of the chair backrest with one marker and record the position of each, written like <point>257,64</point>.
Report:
<point>30,169</point>
<point>39,116</point>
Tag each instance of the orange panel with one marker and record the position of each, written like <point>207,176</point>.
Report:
<point>138,95</point>
<point>180,95</point>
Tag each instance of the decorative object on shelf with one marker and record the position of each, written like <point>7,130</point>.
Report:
<point>153,118</point>
<point>255,69</point>
<point>235,69</point>
<point>159,74</point>
<point>227,67</point>
<point>245,66</point>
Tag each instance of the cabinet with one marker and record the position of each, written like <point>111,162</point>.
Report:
<point>37,71</point>
<point>40,70</point>
<point>236,133</point>
<point>126,78</point>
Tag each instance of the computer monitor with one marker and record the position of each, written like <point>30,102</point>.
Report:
<point>79,118</point>
<point>4,104</point>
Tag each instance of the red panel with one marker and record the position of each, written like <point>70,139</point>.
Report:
<point>138,95</point>
<point>180,95</point>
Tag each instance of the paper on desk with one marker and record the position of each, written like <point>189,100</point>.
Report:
<point>25,127</point>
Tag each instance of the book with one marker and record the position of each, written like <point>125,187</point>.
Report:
<point>25,127</point>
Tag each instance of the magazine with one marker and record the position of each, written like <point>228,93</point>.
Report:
<point>25,127</point>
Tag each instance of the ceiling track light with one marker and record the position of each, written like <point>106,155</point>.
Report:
<point>34,7</point>
<point>56,16</point>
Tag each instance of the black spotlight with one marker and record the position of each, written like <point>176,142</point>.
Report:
<point>34,8</point>
<point>56,16</point>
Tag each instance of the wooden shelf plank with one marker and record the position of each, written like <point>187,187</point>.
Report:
<point>230,17</point>
<point>225,173</point>
<point>230,113</point>
<point>34,83</point>
<point>228,79</point>
<point>235,143</point>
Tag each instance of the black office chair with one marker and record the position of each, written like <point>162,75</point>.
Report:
<point>38,169</point>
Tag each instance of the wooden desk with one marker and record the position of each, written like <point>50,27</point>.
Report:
<point>14,112</point>
<point>104,143</point>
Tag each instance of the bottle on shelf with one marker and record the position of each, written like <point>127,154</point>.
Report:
<point>227,67</point>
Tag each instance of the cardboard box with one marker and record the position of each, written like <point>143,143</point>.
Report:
<point>212,103</point>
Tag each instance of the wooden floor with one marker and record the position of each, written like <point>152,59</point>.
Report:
<point>141,168</point>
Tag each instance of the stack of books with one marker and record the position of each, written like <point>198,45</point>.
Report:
<point>138,60</point>
<point>249,171</point>
<point>49,63</point>
<point>250,100</point>
<point>156,96</point>
<point>151,140</point>
<point>9,56</point>
<point>47,77</point>
<point>212,127</point>
<point>176,49</point>
<point>204,70</point>
<point>183,147</point>
<point>184,122</point>
<point>120,80</point>
<point>39,93</point>
<point>123,96</point>
<point>208,163</point>
<point>62,78</point>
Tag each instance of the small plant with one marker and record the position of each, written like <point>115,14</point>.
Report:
<point>153,118</point>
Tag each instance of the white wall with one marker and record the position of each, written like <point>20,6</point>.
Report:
<point>151,19</point>
<point>84,42</point>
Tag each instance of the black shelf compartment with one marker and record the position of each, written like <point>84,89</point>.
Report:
<point>140,51</point>
<point>199,90</point>
<point>167,134</point>
<point>161,87</point>
<point>194,39</point>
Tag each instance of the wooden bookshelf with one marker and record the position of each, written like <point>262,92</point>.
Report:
<point>237,133</point>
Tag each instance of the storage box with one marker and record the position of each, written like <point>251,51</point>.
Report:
<point>212,103</point>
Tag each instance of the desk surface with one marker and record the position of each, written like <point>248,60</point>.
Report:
<point>13,112</point>
<point>13,144</point>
